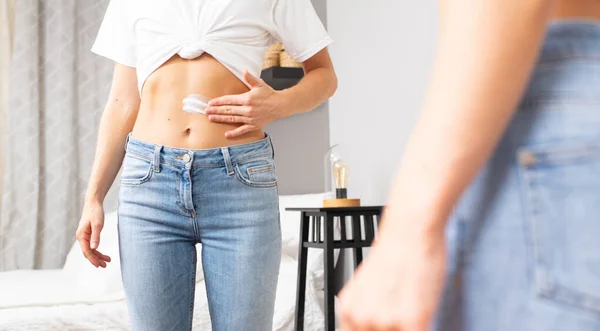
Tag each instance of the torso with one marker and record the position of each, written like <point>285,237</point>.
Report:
<point>161,119</point>
<point>190,36</point>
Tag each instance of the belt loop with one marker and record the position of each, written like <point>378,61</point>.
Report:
<point>227,158</point>
<point>157,150</point>
<point>127,140</point>
<point>272,147</point>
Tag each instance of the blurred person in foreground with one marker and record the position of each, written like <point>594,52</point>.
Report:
<point>494,219</point>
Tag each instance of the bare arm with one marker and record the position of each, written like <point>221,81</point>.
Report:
<point>263,105</point>
<point>318,85</point>
<point>117,121</point>
<point>487,50</point>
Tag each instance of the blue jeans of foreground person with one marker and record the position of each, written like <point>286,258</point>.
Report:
<point>524,242</point>
<point>226,199</point>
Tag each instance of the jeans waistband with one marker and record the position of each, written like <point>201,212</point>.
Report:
<point>571,38</point>
<point>201,158</point>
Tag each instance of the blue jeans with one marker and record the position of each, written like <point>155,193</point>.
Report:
<point>227,200</point>
<point>525,238</point>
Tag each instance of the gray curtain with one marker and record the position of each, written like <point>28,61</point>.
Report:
<point>6,28</point>
<point>58,89</point>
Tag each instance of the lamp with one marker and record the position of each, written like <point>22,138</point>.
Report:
<point>336,179</point>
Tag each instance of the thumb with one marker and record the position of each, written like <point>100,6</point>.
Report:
<point>96,229</point>
<point>252,80</point>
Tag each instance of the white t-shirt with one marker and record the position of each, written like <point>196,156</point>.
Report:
<point>144,34</point>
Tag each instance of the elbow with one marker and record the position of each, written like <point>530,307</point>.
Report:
<point>333,85</point>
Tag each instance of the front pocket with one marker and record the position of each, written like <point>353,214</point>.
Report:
<point>561,187</point>
<point>257,173</point>
<point>136,170</point>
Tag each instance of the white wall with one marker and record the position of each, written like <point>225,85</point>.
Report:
<point>382,51</point>
<point>301,142</point>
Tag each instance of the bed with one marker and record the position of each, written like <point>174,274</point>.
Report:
<point>81,297</point>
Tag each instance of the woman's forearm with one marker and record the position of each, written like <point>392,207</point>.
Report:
<point>486,53</point>
<point>115,125</point>
<point>318,85</point>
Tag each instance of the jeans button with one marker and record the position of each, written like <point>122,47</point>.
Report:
<point>186,158</point>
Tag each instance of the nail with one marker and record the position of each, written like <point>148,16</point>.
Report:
<point>94,245</point>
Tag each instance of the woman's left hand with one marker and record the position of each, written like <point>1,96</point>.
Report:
<point>253,109</point>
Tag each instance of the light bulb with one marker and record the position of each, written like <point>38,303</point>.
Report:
<point>340,174</point>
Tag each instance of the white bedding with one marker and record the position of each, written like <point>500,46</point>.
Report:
<point>112,315</point>
<point>80,297</point>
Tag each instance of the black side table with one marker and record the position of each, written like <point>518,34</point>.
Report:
<point>317,231</point>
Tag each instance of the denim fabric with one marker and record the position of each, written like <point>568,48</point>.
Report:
<point>226,199</point>
<point>525,238</point>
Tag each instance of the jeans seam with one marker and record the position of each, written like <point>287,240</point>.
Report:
<point>253,184</point>
<point>193,278</point>
<point>564,153</point>
<point>137,182</point>
<point>178,185</point>
<point>251,157</point>
<point>204,165</point>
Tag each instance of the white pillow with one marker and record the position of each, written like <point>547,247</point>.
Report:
<point>105,281</point>
<point>290,220</point>
<point>290,232</point>
<point>100,281</point>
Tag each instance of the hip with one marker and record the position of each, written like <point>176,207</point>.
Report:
<point>231,180</point>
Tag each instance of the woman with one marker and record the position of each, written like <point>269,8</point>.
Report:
<point>189,178</point>
<point>523,248</point>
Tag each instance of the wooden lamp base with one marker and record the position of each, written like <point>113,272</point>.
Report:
<point>337,203</point>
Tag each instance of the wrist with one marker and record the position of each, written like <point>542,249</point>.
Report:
<point>399,222</point>
<point>284,104</point>
<point>92,197</point>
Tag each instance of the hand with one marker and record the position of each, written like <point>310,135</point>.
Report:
<point>398,286</point>
<point>88,233</point>
<point>253,109</point>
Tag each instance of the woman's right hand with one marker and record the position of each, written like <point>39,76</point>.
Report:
<point>88,233</point>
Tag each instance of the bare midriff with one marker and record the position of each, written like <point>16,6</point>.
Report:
<point>161,119</point>
<point>577,9</point>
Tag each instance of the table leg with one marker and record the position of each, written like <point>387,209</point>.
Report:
<point>356,234</point>
<point>329,275</point>
<point>301,285</point>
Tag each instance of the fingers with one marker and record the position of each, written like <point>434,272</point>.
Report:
<point>231,119</point>
<point>356,318</point>
<point>101,256</point>
<point>252,80</point>
<point>231,100</point>
<point>240,131</point>
<point>96,229</point>
<point>229,110</point>
<point>83,238</point>
<point>83,235</point>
